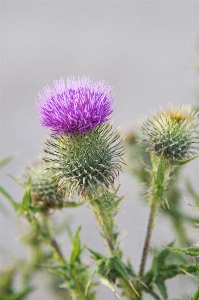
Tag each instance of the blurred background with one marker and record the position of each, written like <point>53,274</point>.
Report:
<point>146,50</point>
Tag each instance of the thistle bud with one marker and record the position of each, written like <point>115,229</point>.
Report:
<point>173,133</point>
<point>86,162</point>
<point>43,188</point>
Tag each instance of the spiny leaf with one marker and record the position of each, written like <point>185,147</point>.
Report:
<point>191,251</point>
<point>76,247</point>
<point>162,255</point>
<point>162,287</point>
<point>96,255</point>
<point>36,208</point>
<point>71,204</point>
<point>161,171</point>
<point>55,267</point>
<point>155,296</point>
<point>120,268</point>
<point>196,277</point>
<point>183,162</point>
<point>9,198</point>
<point>107,283</point>
<point>6,160</point>
<point>172,270</point>
<point>26,199</point>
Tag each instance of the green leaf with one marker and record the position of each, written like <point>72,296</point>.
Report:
<point>162,255</point>
<point>120,268</point>
<point>191,251</point>
<point>108,284</point>
<point>183,162</point>
<point>75,254</point>
<point>155,296</point>
<point>96,255</point>
<point>15,205</point>
<point>36,208</point>
<point>162,287</point>
<point>160,171</point>
<point>196,277</point>
<point>6,160</point>
<point>171,270</point>
<point>55,267</point>
<point>26,200</point>
<point>159,260</point>
<point>72,204</point>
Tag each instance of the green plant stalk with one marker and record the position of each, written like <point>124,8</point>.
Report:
<point>104,209</point>
<point>160,178</point>
<point>108,233</point>
<point>150,226</point>
<point>79,293</point>
<point>47,235</point>
<point>105,219</point>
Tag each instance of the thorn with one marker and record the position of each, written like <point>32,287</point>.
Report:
<point>122,237</point>
<point>139,279</point>
<point>167,203</point>
<point>87,286</point>
<point>117,295</point>
<point>133,288</point>
<point>187,201</point>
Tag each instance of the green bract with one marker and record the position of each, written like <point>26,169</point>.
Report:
<point>173,133</point>
<point>42,188</point>
<point>86,162</point>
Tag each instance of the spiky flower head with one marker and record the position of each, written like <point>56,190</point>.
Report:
<point>86,162</point>
<point>77,107</point>
<point>173,133</point>
<point>43,188</point>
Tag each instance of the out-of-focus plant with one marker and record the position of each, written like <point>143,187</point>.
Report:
<point>83,157</point>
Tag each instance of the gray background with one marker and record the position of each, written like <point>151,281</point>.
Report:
<point>146,50</point>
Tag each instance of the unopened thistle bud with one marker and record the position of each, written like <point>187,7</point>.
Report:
<point>77,107</point>
<point>86,162</point>
<point>173,133</point>
<point>43,188</point>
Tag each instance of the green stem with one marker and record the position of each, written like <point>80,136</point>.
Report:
<point>105,219</point>
<point>152,216</point>
<point>57,249</point>
<point>53,243</point>
<point>161,173</point>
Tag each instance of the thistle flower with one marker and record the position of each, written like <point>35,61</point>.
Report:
<point>43,189</point>
<point>173,133</point>
<point>86,162</point>
<point>76,108</point>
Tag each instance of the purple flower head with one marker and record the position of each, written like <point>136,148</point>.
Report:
<point>77,107</point>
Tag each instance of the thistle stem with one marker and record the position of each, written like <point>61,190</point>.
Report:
<point>110,245</point>
<point>160,178</point>
<point>148,237</point>
<point>57,249</point>
<point>53,243</point>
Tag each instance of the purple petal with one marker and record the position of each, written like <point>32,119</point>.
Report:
<point>76,108</point>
